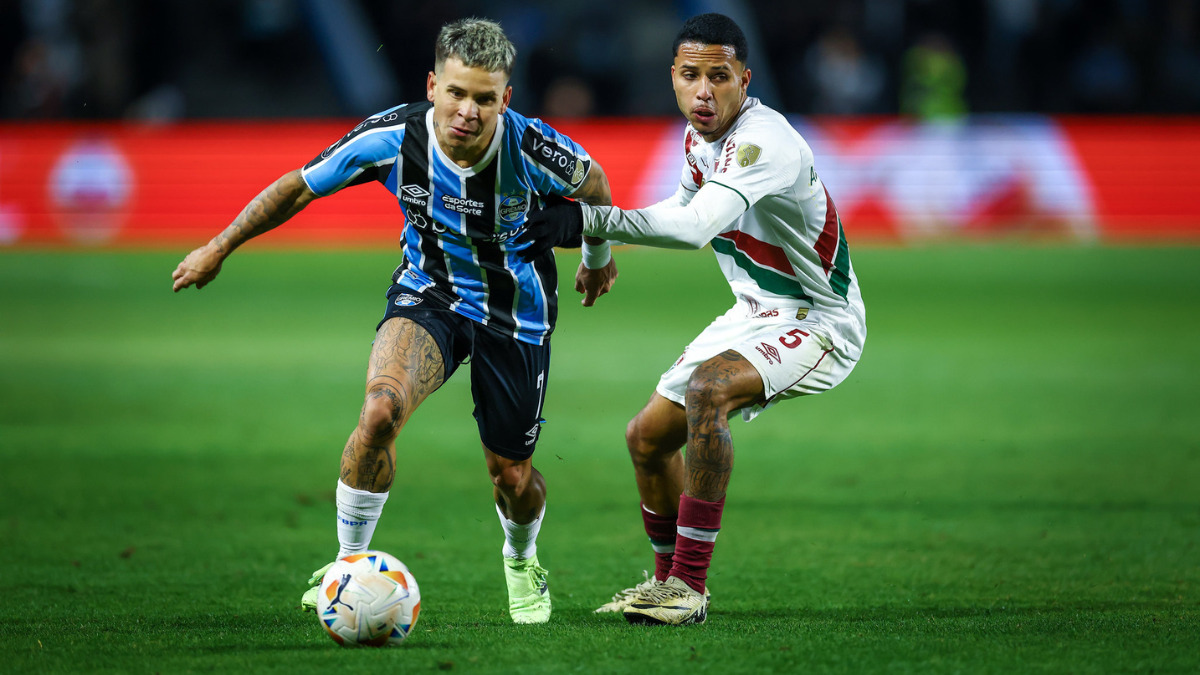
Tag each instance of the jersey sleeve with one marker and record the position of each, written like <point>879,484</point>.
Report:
<point>667,225</point>
<point>364,154</point>
<point>556,164</point>
<point>682,197</point>
<point>760,161</point>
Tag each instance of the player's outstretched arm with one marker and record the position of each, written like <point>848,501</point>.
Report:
<point>683,227</point>
<point>271,208</point>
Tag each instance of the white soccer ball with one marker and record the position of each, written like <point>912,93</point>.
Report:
<point>368,600</point>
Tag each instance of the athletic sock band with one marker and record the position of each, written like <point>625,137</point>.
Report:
<point>696,536</point>
<point>661,531</point>
<point>358,513</point>
<point>520,540</point>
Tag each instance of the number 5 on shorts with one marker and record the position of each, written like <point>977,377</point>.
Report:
<point>796,333</point>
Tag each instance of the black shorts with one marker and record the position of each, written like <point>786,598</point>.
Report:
<point>508,377</point>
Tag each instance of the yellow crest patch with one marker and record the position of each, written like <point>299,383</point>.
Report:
<point>747,154</point>
<point>577,176</point>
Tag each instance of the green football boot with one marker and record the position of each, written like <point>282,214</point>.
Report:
<point>528,593</point>
<point>308,601</point>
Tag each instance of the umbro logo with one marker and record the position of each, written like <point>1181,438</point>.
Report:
<point>415,191</point>
<point>769,352</point>
<point>415,195</point>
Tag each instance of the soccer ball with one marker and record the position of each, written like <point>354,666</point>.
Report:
<point>368,600</point>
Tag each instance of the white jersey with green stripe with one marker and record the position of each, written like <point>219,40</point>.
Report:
<point>755,195</point>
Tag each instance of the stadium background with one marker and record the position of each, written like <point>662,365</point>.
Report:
<point>930,118</point>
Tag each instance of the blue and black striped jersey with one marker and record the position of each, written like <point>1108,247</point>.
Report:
<point>459,223</point>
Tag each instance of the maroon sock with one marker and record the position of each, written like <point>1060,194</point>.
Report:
<point>661,530</point>
<point>699,523</point>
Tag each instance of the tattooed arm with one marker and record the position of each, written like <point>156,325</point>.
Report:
<point>281,200</point>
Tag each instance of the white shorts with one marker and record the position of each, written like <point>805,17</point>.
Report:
<point>794,357</point>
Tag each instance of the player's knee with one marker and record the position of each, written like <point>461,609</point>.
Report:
<point>510,479</point>
<point>640,447</point>
<point>647,442</point>
<point>383,413</point>
<point>633,434</point>
<point>705,390</point>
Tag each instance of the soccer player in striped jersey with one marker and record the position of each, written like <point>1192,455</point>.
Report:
<point>751,190</point>
<point>467,171</point>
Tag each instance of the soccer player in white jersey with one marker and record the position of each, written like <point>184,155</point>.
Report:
<point>750,188</point>
<point>467,171</point>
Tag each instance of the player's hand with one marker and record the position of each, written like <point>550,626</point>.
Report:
<point>198,268</point>
<point>558,223</point>
<point>595,283</point>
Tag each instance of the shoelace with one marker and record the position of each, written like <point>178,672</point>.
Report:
<point>537,576</point>
<point>630,593</point>
<point>663,592</point>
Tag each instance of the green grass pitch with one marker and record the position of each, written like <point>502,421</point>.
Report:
<point>1008,483</point>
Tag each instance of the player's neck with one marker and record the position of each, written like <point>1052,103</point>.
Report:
<point>467,157</point>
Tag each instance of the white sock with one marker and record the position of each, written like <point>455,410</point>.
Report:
<point>520,541</point>
<point>357,514</point>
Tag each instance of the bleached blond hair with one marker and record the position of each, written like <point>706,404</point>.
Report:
<point>478,43</point>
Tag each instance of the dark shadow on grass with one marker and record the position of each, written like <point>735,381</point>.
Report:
<point>308,646</point>
<point>889,614</point>
<point>584,618</point>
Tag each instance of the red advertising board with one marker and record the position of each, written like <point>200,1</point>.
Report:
<point>131,185</point>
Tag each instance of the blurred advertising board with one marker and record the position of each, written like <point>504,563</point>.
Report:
<point>1114,179</point>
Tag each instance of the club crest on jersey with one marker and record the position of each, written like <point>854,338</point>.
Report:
<point>769,352</point>
<point>512,207</point>
<point>748,154</point>
<point>408,300</point>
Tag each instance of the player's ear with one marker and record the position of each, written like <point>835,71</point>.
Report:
<point>430,83</point>
<point>745,80</point>
<point>506,99</point>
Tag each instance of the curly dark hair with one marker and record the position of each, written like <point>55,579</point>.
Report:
<point>713,29</point>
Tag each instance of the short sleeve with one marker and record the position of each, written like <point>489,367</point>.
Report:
<point>359,156</point>
<point>556,164</point>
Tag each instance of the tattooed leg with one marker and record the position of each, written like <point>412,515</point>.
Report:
<point>719,386</point>
<point>406,366</point>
